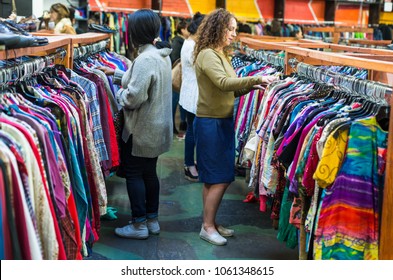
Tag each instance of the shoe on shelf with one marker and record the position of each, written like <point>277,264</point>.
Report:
<point>153,226</point>
<point>133,231</point>
<point>214,238</point>
<point>101,28</point>
<point>225,232</point>
<point>188,174</point>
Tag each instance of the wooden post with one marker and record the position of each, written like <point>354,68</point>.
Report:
<point>336,37</point>
<point>279,10</point>
<point>330,11</point>
<point>386,235</point>
<point>156,5</point>
<point>221,4</point>
<point>374,14</point>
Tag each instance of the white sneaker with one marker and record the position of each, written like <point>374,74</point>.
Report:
<point>153,226</point>
<point>214,238</point>
<point>134,231</point>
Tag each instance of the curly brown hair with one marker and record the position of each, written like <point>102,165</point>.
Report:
<point>212,31</point>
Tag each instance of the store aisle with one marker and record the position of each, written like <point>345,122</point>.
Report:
<point>180,220</point>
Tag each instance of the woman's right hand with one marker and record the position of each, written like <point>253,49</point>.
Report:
<point>108,71</point>
<point>269,79</point>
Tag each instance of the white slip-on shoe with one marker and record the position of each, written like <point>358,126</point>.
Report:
<point>214,238</point>
<point>226,232</point>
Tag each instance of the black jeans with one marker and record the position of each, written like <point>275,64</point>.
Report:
<point>143,186</point>
<point>189,145</point>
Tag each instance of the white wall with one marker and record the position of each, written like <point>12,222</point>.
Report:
<point>39,6</point>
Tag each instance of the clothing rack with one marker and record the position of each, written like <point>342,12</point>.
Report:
<point>376,91</point>
<point>374,60</point>
<point>29,67</point>
<point>271,58</point>
<point>82,51</point>
<point>20,63</point>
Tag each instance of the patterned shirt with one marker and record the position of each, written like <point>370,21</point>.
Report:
<point>348,225</point>
<point>91,91</point>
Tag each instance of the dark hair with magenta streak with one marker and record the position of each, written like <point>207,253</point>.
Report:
<point>144,27</point>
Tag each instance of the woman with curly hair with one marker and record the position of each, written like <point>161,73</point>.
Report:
<point>214,125</point>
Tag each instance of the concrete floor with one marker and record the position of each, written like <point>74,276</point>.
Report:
<point>180,219</point>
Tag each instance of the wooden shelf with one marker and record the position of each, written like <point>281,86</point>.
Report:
<point>89,38</point>
<point>54,43</point>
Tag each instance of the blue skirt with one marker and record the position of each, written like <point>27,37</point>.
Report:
<point>215,149</point>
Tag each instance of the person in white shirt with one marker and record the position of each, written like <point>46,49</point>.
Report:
<point>189,96</point>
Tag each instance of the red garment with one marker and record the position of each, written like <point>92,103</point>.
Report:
<point>20,218</point>
<point>113,140</point>
<point>62,254</point>
<point>74,217</point>
<point>311,165</point>
<point>262,203</point>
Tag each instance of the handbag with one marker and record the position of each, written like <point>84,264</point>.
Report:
<point>176,75</point>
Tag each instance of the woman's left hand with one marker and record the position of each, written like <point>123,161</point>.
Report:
<point>108,71</point>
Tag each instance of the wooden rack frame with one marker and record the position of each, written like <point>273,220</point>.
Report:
<point>68,42</point>
<point>54,44</point>
<point>337,30</point>
<point>376,61</point>
<point>364,42</point>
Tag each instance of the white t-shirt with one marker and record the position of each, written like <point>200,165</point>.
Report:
<point>189,87</point>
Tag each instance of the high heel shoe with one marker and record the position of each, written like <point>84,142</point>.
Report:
<point>189,176</point>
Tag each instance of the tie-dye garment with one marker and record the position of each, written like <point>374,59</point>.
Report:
<point>348,224</point>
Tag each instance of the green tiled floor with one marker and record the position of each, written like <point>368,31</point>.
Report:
<point>180,220</point>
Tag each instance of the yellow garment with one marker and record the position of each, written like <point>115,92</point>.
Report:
<point>111,24</point>
<point>173,27</point>
<point>332,157</point>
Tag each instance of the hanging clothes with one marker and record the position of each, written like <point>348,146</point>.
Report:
<point>304,154</point>
<point>53,150</point>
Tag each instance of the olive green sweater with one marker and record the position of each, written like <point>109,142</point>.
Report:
<point>218,85</point>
